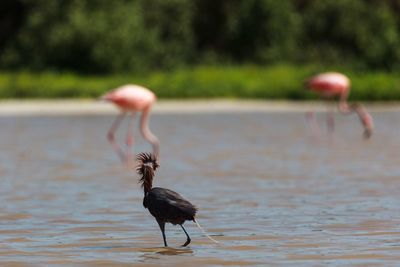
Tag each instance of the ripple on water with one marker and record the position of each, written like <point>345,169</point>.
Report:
<point>265,190</point>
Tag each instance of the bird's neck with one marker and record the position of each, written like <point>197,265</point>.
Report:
<point>147,179</point>
<point>148,135</point>
<point>346,108</point>
<point>363,115</point>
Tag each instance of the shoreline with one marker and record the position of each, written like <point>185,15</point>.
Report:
<point>92,107</point>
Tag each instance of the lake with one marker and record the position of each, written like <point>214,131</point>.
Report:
<point>266,189</point>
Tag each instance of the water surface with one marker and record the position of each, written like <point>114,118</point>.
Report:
<point>268,191</point>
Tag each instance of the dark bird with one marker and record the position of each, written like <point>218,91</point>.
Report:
<point>165,205</point>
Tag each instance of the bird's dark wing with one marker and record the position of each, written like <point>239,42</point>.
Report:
<point>169,206</point>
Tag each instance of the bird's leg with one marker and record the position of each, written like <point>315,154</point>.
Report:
<point>188,238</point>
<point>330,122</point>
<point>312,122</point>
<point>130,139</point>
<point>162,228</point>
<point>111,137</point>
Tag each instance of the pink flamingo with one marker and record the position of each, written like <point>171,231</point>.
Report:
<point>132,98</point>
<point>332,85</point>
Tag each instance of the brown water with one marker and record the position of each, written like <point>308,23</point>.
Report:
<point>267,191</point>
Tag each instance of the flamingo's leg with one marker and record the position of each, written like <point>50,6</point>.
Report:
<point>130,138</point>
<point>111,137</point>
<point>312,122</point>
<point>330,120</point>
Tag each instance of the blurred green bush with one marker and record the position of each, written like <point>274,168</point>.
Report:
<point>197,48</point>
<point>247,81</point>
<point>124,36</point>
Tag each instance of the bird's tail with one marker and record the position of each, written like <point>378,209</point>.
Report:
<point>205,233</point>
<point>106,97</point>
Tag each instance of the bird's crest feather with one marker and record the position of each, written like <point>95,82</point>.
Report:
<point>146,159</point>
<point>146,168</point>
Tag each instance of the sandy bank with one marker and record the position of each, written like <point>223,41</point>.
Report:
<point>87,107</point>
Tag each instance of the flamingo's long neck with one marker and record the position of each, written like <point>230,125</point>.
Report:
<point>343,104</point>
<point>363,115</point>
<point>148,135</point>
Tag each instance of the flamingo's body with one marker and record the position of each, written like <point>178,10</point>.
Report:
<point>329,84</point>
<point>332,85</point>
<point>131,99</point>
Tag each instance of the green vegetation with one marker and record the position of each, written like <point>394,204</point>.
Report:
<point>125,36</point>
<point>275,82</point>
<point>197,48</point>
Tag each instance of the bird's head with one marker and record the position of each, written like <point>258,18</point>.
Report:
<point>146,168</point>
<point>146,161</point>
